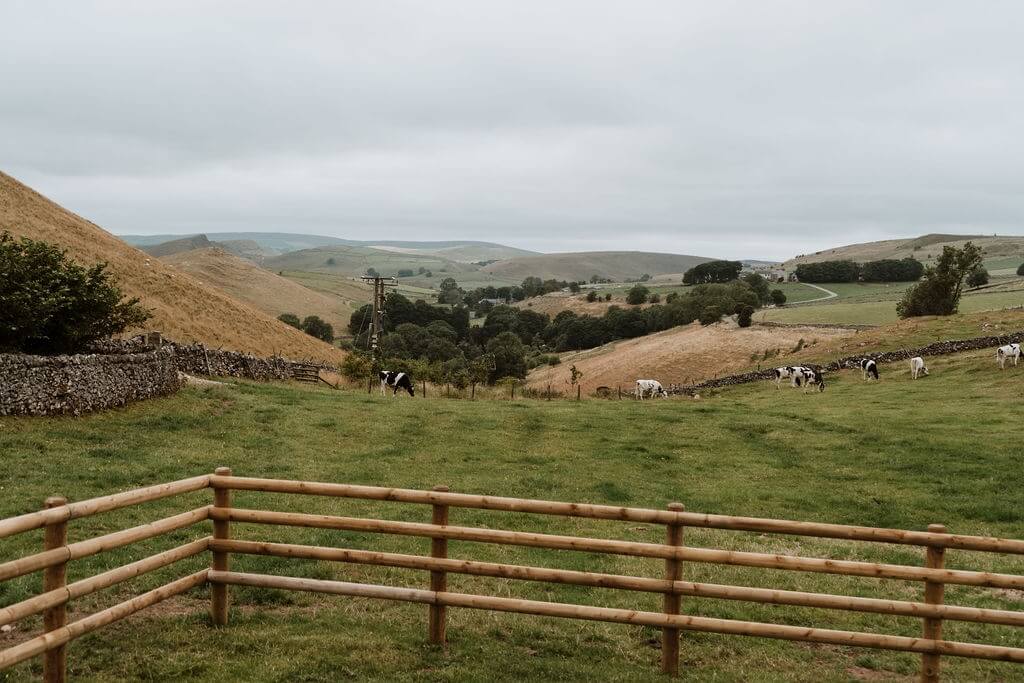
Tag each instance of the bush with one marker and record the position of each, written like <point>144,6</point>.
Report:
<point>637,295</point>
<point>778,297</point>
<point>315,327</point>
<point>892,270</point>
<point>654,298</point>
<point>745,315</point>
<point>290,319</point>
<point>1020,270</point>
<point>710,315</point>
<point>50,305</point>
<point>592,295</point>
<point>608,296</point>
<point>977,277</point>
<point>759,285</point>
<point>356,367</point>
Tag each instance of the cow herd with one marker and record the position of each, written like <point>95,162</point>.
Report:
<point>805,376</point>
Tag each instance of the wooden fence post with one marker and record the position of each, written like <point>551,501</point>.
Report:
<point>55,536</point>
<point>438,579</point>
<point>620,392</point>
<point>934,594</point>
<point>424,388</point>
<point>578,388</point>
<point>673,572</point>
<point>369,385</point>
<point>512,386</point>
<point>549,392</point>
<point>221,530</point>
<point>472,390</point>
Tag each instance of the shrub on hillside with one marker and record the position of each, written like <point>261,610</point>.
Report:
<point>892,270</point>
<point>315,327</point>
<point>938,293</point>
<point>592,295</point>
<point>977,277</point>
<point>637,295</point>
<point>778,297</point>
<point>710,315</point>
<point>759,285</point>
<point>290,319</point>
<point>1020,270</point>
<point>49,304</point>
<point>745,315</point>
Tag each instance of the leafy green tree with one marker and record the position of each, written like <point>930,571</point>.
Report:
<point>508,355</point>
<point>447,284</point>
<point>645,277</point>
<point>608,296</point>
<point>314,326</point>
<point>938,293</point>
<point>1020,270</point>
<point>592,294</point>
<point>759,285</point>
<point>51,305</point>
<point>574,287</point>
<point>372,272</point>
<point>892,270</point>
<point>778,297</point>
<point>977,277</point>
<point>637,295</point>
<point>712,271</point>
<point>331,261</point>
<point>405,272</point>
<point>290,319</point>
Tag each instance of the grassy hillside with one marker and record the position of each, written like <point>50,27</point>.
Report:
<point>464,253</point>
<point>264,289</point>
<point>177,246</point>
<point>615,265</point>
<point>350,288</point>
<point>894,453</point>
<point>183,308</point>
<point>926,248</point>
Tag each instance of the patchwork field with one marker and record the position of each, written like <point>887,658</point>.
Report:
<point>895,453</point>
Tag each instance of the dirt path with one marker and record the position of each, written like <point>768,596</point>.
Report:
<point>829,294</point>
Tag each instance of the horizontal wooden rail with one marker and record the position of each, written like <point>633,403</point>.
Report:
<point>43,601</point>
<point>617,581</point>
<point>99,544</point>
<point>632,548</point>
<point>84,508</point>
<point>76,629</point>
<point>544,507</point>
<point>623,616</point>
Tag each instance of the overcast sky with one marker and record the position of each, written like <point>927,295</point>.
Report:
<point>753,129</point>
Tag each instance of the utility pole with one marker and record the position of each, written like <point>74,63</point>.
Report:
<point>377,319</point>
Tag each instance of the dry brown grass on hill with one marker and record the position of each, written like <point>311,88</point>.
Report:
<point>262,289</point>
<point>554,303</point>
<point>183,308</point>
<point>682,354</point>
<point>924,248</point>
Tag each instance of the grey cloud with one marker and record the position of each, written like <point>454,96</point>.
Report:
<point>731,129</point>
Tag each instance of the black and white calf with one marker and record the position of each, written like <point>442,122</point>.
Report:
<point>869,368</point>
<point>1008,352</point>
<point>806,376</point>
<point>395,380</point>
<point>783,373</point>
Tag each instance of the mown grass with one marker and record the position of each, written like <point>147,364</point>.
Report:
<point>894,453</point>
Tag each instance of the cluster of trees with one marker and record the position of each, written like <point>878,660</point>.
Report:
<point>51,305</point>
<point>313,325</point>
<point>712,271</point>
<point>884,270</point>
<point>938,292</point>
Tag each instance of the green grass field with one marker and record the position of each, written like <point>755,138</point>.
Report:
<point>879,307</point>
<point>895,453</point>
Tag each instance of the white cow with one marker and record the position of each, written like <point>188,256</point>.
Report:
<point>1004,353</point>
<point>649,386</point>
<point>781,374</point>
<point>805,376</point>
<point>917,366</point>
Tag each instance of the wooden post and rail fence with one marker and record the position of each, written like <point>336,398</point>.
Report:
<point>57,553</point>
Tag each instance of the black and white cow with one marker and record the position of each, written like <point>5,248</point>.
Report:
<point>1008,352</point>
<point>806,376</point>
<point>395,380</point>
<point>783,373</point>
<point>869,368</point>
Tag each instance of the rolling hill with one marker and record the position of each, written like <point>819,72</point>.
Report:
<point>183,308</point>
<point>354,261</point>
<point>924,248</point>
<point>616,265</point>
<point>264,289</point>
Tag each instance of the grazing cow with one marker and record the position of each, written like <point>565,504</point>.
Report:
<point>783,373</point>
<point>1004,353</point>
<point>806,376</point>
<point>395,380</point>
<point>869,368</point>
<point>649,386</point>
<point>917,366</point>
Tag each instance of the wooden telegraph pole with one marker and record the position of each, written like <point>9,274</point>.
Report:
<point>377,319</point>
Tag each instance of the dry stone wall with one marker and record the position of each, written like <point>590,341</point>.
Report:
<point>72,385</point>
<point>940,348</point>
